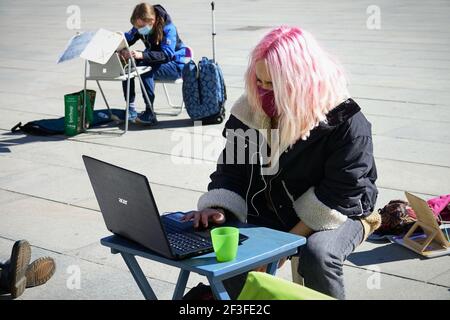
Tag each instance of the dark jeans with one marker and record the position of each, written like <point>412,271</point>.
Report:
<point>320,260</point>
<point>166,71</point>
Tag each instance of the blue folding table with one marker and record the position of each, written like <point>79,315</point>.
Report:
<point>263,247</point>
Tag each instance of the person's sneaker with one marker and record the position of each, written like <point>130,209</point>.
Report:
<point>147,118</point>
<point>40,271</point>
<point>132,115</point>
<point>20,258</point>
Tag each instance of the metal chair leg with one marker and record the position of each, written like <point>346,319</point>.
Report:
<point>84,97</point>
<point>169,101</point>
<point>104,98</point>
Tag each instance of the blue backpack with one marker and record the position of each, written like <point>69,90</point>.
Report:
<point>204,91</point>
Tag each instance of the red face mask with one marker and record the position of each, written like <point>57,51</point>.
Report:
<point>267,101</point>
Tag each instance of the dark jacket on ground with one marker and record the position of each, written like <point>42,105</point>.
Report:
<point>322,180</point>
<point>171,47</point>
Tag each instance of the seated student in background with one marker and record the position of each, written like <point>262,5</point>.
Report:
<point>165,53</point>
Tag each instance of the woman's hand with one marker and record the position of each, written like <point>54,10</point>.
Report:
<point>125,54</point>
<point>138,55</point>
<point>216,216</point>
<point>302,229</point>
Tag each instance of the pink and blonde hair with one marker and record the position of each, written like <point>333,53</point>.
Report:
<point>307,82</point>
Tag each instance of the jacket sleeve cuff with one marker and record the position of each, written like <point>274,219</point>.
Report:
<point>315,214</point>
<point>155,57</point>
<point>225,199</point>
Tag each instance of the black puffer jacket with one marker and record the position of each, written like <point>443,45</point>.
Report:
<point>322,180</point>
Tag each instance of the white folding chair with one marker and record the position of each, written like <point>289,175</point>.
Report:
<point>179,81</point>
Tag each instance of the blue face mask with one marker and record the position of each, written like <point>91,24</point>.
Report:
<point>145,30</point>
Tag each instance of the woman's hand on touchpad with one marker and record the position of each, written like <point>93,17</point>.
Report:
<point>202,218</point>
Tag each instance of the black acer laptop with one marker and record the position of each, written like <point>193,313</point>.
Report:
<point>129,210</point>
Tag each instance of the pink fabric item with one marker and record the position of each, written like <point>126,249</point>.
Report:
<point>440,205</point>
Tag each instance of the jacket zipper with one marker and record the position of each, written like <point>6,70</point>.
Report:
<point>270,196</point>
<point>287,191</point>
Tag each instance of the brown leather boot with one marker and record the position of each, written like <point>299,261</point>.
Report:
<point>13,272</point>
<point>40,271</point>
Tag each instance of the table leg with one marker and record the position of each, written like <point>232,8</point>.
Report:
<point>139,276</point>
<point>272,267</point>
<point>181,285</point>
<point>219,291</point>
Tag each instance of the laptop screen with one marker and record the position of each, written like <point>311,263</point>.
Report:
<point>127,204</point>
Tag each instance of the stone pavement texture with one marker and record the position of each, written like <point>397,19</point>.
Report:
<point>399,75</point>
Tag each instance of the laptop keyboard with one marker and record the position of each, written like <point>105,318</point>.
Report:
<point>185,242</point>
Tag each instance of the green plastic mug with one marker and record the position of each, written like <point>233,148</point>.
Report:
<point>225,242</point>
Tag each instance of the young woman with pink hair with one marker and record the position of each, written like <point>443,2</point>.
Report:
<point>322,179</point>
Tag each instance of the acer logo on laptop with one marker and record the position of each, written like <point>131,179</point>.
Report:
<point>123,201</point>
